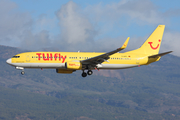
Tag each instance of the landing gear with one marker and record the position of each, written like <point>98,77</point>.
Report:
<point>84,74</point>
<point>22,73</point>
<point>89,72</point>
<point>21,68</point>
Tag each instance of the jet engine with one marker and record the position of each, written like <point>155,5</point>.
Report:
<point>73,65</point>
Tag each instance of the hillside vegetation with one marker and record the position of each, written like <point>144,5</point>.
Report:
<point>146,92</point>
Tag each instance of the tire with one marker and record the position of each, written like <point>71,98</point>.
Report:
<point>22,73</point>
<point>84,74</point>
<point>90,72</point>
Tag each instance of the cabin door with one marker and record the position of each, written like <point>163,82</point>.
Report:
<point>137,59</point>
<point>28,58</point>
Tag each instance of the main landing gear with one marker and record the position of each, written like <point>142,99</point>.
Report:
<point>89,72</point>
<point>84,74</point>
<point>22,73</point>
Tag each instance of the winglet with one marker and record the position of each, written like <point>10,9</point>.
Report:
<point>125,43</point>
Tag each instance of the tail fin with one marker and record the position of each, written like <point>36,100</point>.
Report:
<point>152,45</point>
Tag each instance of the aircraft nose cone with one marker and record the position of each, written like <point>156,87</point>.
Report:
<point>8,61</point>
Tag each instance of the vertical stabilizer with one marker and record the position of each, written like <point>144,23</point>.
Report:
<point>152,45</point>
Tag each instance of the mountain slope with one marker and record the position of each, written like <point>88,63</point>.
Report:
<point>152,90</point>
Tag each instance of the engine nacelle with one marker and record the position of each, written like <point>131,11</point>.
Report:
<point>73,65</point>
<point>64,71</point>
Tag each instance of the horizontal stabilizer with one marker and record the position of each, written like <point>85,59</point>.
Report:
<point>159,55</point>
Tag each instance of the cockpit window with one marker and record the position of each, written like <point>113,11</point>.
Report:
<point>16,56</point>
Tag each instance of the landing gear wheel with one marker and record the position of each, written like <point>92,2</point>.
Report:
<point>89,72</point>
<point>22,73</point>
<point>84,74</point>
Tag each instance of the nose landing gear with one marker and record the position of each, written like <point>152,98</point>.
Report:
<point>21,68</point>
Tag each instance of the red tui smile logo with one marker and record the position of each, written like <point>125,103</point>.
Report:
<point>154,48</point>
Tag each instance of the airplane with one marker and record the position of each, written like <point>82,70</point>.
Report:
<point>69,62</point>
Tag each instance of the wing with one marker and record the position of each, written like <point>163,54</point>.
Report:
<point>104,57</point>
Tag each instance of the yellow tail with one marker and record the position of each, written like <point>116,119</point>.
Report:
<point>152,45</point>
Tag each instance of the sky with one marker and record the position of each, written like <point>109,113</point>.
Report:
<point>87,25</point>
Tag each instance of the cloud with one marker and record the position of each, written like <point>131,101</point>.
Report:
<point>45,22</point>
<point>17,28</point>
<point>85,29</point>
<point>138,11</point>
<point>76,29</point>
<point>38,41</point>
<point>12,23</point>
<point>172,13</point>
<point>79,32</point>
<point>171,42</point>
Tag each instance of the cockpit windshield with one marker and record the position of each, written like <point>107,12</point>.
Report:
<point>16,57</point>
